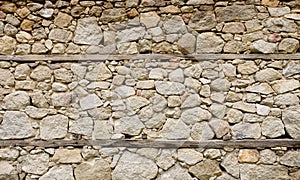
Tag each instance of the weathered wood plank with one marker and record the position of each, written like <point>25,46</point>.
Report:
<point>157,143</point>
<point>110,57</point>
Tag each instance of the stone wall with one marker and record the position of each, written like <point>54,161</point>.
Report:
<point>166,99</point>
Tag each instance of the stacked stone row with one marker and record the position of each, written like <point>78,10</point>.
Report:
<point>173,100</point>
<point>148,26</point>
<point>147,163</point>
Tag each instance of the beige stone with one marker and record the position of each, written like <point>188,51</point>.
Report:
<point>248,156</point>
<point>62,20</point>
<point>67,156</point>
<point>270,3</point>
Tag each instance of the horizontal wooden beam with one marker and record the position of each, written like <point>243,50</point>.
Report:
<point>110,57</point>
<point>146,143</point>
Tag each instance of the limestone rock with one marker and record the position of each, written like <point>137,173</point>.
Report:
<point>159,103</point>
<point>272,127</point>
<point>209,42</point>
<point>7,171</point>
<point>102,130</point>
<point>231,165</point>
<point>267,75</point>
<point>39,100</point>
<point>264,47</point>
<point>35,163</point>
<point>96,169</point>
<point>174,25</point>
<point>263,88</point>
<point>197,114</point>
<point>262,110</point>
<point>186,44</point>
<point>60,172</point>
<point>220,85</point>
<point>25,85</point>
<point>175,129</point>
<point>125,91</point>
<point>21,72</point>
<point>235,12</point>
<point>246,130</point>
<point>191,101</point>
<point>82,126</point>
<point>62,20</point>
<point>149,19</point>
<point>36,113</point>
<point>169,88</point>
<point>282,86</point>
<point>146,84</point>
<point>38,48</point>
<point>46,13</point>
<point>63,75</point>
<point>134,166</point>
<point>253,171</point>
<point>60,35</point>
<point>61,99</point>
<point>289,45</point>
<point>136,102</point>
<point>113,15</point>
<point>175,172</point>
<point>220,127</point>
<point>9,154</point>
<point>99,73</point>
<point>67,156</point>
<point>88,32</point>
<point>290,118</point>
<point>206,169</point>
<point>54,127</point>
<point>129,125</point>
<point>291,68</point>
<point>280,11</point>
<point>291,158</point>
<point>165,159</point>
<point>287,99</point>
<point>198,2</point>
<point>280,25</point>
<point>267,156</point>
<point>131,34</point>
<point>189,156</point>
<point>6,78</point>
<point>90,101</point>
<point>233,27</point>
<point>270,3</point>
<point>16,100</point>
<point>15,125</point>
<point>202,131</point>
<point>157,73</point>
<point>202,21</point>
<point>7,45</point>
<point>41,73</point>
<point>246,107</point>
<point>248,156</point>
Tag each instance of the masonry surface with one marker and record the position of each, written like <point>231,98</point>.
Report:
<point>166,99</point>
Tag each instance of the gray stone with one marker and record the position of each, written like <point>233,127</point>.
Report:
<point>289,45</point>
<point>209,42</point>
<point>291,68</point>
<point>197,114</point>
<point>134,166</point>
<point>267,75</point>
<point>262,110</point>
<point>252,118</point>
<point>233,27</point>
<point>132,34</point>
<point>36,113</point>
<point>187,43</point>
<point>217,110</point>
<point>220,85</point>
<point>263,88</point>
<point>202,21</point>
<point>253,171</point>
<point>157,74</point>
<point>290,118</point>
<point>15,125</point>
<point>60,172</point>
<point>231,165</point>
<point>235,47</point>
<point>60,35</point>
<point>272,127</point>
<point>175,129</point>
<point>235,12</point>
<point>39,100</point>
<point>136,102</point>
<point>7,171</point>
<point>78,70</point>
<point>267,156</point>
<point>82,126</point>
<point>280,25</point>
<point>176,75</point>
<point>189,156</point>
<point>193,84</point>
<point>61,99</point>
<point>287,99</point>
<point>95,169</point>
<point>9,154</point>
<point>202,131</point>
<point>246,107</point>
<point>282,86</point>
<point>10,30</point>
<point>234,116</point>
<point>16,101</point>
<point>244,130</point>
<point>159,103</point>
<point>129,125</point>
<point>174,25</point>
<point>249,67</point>
<point>102,130</point>
<point>219,127</point>
<point>156,121</point>
<point>125,91</point>
<point>113,15</point>
<point>291,158</point>
<point>194,71</point>
<point>88,32</point>
<point>46,13</point>
<point>23,49</point>
<point>54,127</point>
<point>90,101</point>
<point>175,172</point>
<point>99,73</point>
<point>38,48</point>
<point>35,163</point>
<point>165,159</point>
<point>193,100</point>
<point>22,71</point>
<point>169,88</point>
<point>149,19</point>
<point>25,85</point>
<point>264,47</point>
<point>7,45</point>
<point>206,169</point>
<point>6,78</point>
<point>100,113</point>
<point>41,73</point>
<point>59,87</point>
<point>278,11</point>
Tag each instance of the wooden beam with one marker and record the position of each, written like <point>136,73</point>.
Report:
<point>140,143</point>
<point>110,57</point>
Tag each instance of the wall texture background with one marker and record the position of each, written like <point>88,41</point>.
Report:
<point>173,98</point>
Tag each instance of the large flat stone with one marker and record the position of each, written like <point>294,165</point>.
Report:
<point>88,32</point>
